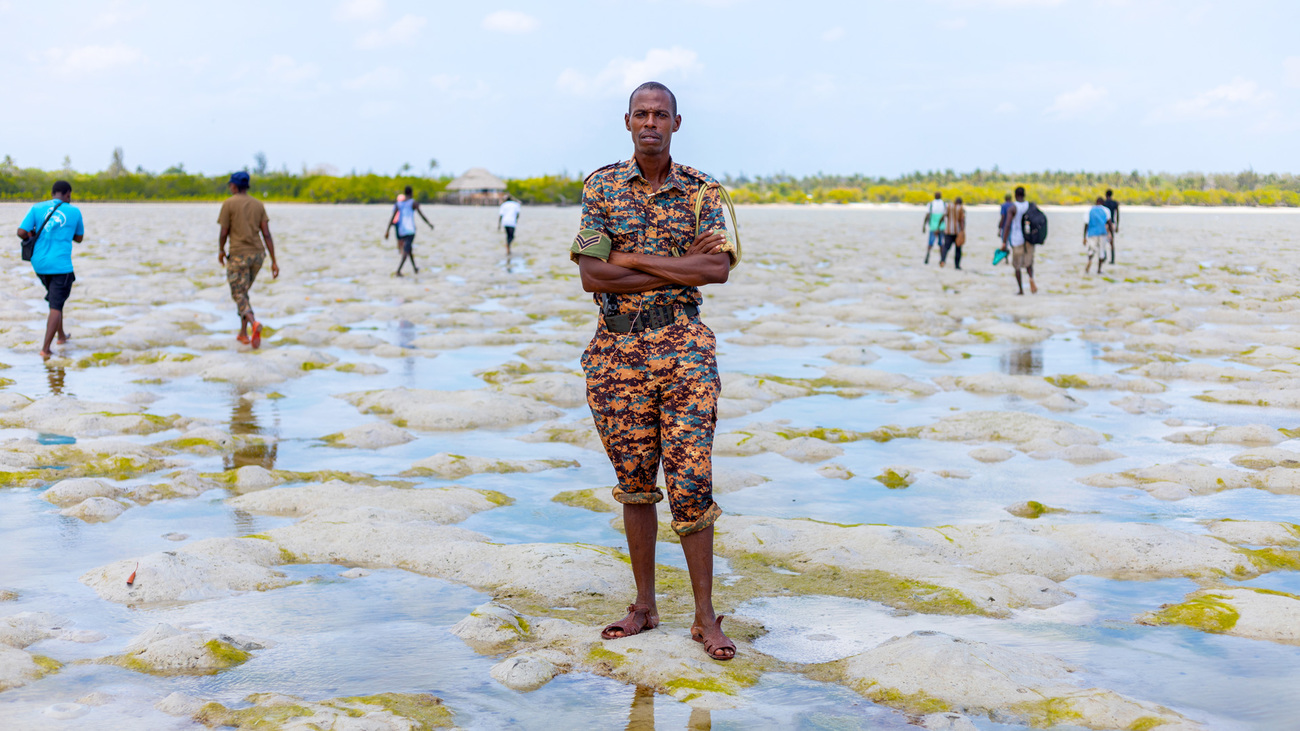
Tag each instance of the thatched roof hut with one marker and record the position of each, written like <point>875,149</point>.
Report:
<point>478,186</point>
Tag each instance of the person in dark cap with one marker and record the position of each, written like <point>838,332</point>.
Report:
<point>243,221</point>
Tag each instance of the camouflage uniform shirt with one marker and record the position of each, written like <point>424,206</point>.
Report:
<point>621,213</point>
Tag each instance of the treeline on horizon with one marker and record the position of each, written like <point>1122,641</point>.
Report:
<point>1057,188</point>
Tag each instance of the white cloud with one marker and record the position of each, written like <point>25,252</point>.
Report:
<point>1291,65</point>
<point>94,59</point>
<point>384,77</point>
<point>398,34</point>
<point>510,21</point>
<point>1005,108</point>
<point>359,10</point>
<point>1237,96</point>
<point>285,69</point>
<point>1081,101</point>
<point>625,74</point>
<point>834,34</point>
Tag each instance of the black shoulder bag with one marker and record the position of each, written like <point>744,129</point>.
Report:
<point>29,243</point>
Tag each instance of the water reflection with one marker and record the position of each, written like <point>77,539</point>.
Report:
<point>55,375</point>
<point>243,422</point>
<point>1023,362</point>
<point>641,717</point>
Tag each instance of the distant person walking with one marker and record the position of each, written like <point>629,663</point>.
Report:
<point>954,233</point>
<point>1013,240</point>
<point>1113,206</point>
<point>508,218</point>
<point>1097,232</point>
<point>934,216</point>
<point>55,223</point>
<point>403,216</point>
<point>243,221</point>
<point>1002,214</point>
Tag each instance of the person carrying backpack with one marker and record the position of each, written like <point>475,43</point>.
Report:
<point>1013,240</point>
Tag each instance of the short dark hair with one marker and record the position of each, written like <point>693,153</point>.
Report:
<point>1020,191</point>
<point>1099,200</point>
<point>958,200</point>
<point>937,194</point>
<point>61,187</point>
<point>1109,192</point>
<point>652,86</point>
<point>408,190</point>
<point>1008,196</point>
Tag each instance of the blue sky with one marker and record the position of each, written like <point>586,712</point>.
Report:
<point>527,88</point>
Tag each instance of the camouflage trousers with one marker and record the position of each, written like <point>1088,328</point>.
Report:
<point>241,270</point>
<point>654,397</point>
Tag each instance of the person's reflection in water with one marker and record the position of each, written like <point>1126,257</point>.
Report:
<point>406,336</point>
<point>55,374</point>
<point>243,422</point>
<point>641,717</point>
<point>1023,362</point>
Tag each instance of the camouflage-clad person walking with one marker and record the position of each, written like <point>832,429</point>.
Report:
<point>652,375</point>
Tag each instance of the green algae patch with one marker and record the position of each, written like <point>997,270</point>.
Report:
<point>893,480</point>
<point>835,436</point>
<point>215,715</point>
<point>513,371</point>
<point>1207,612</point>
<point>1032,509</point>
<point>891,432</point>
<point>759,579</point>
<point>499,499</point>
<point>919,703</point>
<point>1049,712</point>
<point>47,665</point>
<point>1146,723</point>
<point>585,499</point>
<point>1066,381</point>
<point>227,656</point>
<point>193,444</point>
<point>68,462</point>
<point>1273,559</point>
<point>424,710</point>
<point>600,656</point>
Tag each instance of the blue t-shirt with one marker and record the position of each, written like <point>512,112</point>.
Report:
<point>1097,218</point>
<point>53,253</point>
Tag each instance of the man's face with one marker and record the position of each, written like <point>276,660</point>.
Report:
<point>652,122</point>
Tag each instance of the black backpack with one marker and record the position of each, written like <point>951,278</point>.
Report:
<point>1034,225</point>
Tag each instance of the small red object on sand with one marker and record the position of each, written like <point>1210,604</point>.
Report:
<point>131,579</point>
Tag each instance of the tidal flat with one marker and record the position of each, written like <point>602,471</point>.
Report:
<point>945,505</point>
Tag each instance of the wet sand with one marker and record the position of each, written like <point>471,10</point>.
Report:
<point>1091,491</point>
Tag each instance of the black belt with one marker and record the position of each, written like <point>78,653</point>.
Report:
<point>649,318</point>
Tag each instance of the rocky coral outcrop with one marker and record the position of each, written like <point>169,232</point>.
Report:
<point>928,672</point>
<point>166,650</point>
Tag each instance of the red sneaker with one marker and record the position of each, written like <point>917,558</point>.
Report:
<point>242,338</point>
<point>257,335</point>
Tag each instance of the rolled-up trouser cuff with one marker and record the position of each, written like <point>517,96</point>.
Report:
<point>638,498</point>
<point>708,518</point>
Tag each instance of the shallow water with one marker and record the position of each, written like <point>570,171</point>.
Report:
<point>389,631</point>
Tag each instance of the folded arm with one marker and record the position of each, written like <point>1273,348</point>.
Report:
<point>609,278</point>
<point>692,270</point>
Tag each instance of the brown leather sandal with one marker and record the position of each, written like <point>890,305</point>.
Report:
<point>715,641</point>
<point>629,625</point>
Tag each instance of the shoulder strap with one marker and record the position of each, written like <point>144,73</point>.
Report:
<point>726,200</point>
<point>47,220</point>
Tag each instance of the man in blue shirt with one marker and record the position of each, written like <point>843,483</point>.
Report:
<point>1096,234</point>
<point>55,223</point>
